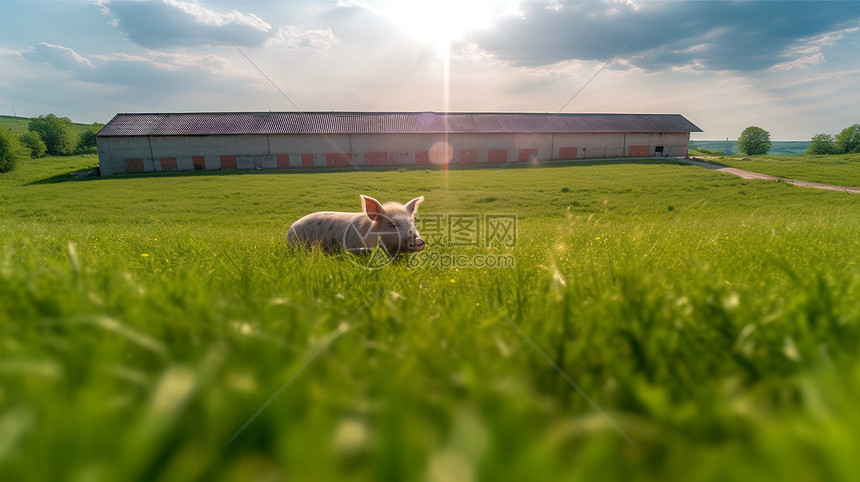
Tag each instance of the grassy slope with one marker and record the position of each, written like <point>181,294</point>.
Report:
<point>842,170</point>
<point>17,124</point>
<point>21,124</point>
<point>713,319</point>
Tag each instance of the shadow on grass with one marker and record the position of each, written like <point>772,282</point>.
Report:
<point>69,176</point>
<point>76,175</point>
<point>705,162</point>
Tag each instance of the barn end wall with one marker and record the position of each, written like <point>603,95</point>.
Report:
<point>126,155</point>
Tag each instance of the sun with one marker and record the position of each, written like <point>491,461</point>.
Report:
<point>441,22</point>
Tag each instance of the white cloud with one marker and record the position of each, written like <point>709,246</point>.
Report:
<point>169,73</point>
<point>472,52</point>
<point>808,52</point>
<point>62,58</point>
<point>740,36</point>
<point>162,61</point>
<point>802,62</point>
<point>300,38</point>
<point>208,16</point>
<point>175,23</point>
<point>4,52</point>
<point>693,67</point>
<point>353,3</point>
<point>697,48</point>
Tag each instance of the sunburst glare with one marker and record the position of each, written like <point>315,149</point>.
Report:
<point>441,22</point>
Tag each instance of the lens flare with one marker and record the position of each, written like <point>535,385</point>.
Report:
<point>441,153</point>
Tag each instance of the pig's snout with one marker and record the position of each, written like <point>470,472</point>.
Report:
<point>417,245</point>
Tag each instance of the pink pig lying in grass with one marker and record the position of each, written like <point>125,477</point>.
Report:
<point>390,226</point>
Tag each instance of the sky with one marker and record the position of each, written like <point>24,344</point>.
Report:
<point>792,68</point>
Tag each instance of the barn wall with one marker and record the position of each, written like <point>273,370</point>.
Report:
<point>517,147</point>
<point>115,151</point>
<point>250,151</point>
<point>589,146</point>
<point>403,149</point>
<point>123,155</point>
<point>610,145</point>
<point>315,148</point>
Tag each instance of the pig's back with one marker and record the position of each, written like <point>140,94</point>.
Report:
<point>327,229</point>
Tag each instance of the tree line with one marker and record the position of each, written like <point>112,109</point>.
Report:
<point>46,135</point>
<point>756,141</point>
<point>846,142</point>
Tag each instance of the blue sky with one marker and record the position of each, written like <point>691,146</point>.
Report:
<point>792,68</point>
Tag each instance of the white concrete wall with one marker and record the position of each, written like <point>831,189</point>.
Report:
<point>114,151</point>
<point>316,144</point>
<point>599,146</point>
<point>590,146</point>
<point>402,147</point>
<point>117,155</point>
<point>512,143</point>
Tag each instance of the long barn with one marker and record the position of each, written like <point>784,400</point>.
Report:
<point>152,142</point>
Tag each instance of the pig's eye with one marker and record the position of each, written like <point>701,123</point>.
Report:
<point>393,224</point>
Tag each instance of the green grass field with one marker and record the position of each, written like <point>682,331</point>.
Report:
<point>17,124</point>
<point>841,170</point>
<point>158,328</point>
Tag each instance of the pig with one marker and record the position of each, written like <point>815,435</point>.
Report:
<point>390,226</point>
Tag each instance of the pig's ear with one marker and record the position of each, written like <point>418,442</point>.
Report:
<point>371,207</point>
<point>412,206</point>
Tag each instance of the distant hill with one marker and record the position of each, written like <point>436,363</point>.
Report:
<point>20,124</point>
<point>777,148</point>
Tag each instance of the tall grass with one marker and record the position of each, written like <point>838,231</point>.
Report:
<point>146,321</point>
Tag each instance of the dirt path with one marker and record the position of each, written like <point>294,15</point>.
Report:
<point>767,177</point>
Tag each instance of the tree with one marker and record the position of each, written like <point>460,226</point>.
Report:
<point>754,141</point>
<point>58,133</point>
<point>821,144</point>
<point>32,141</point>
<point>848,141</point>
<point>12,152</point>
<point>87,144</point>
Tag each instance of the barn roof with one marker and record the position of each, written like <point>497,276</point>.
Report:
<point>232,123</point>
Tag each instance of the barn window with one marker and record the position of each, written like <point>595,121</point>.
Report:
<point>422,157</point>
<point>468,156</point>
<point>134,165</point>
<point>639,151</point>
<point>337,159</point>
<point>377,158</point>
<point>228,162</point>
<point>527,155</point>
<point>168,163</point>
<point>568,153</point>
<point>498,155</point>
<point>307,160</point>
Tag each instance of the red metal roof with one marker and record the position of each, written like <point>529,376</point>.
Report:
<point>233,123</point>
